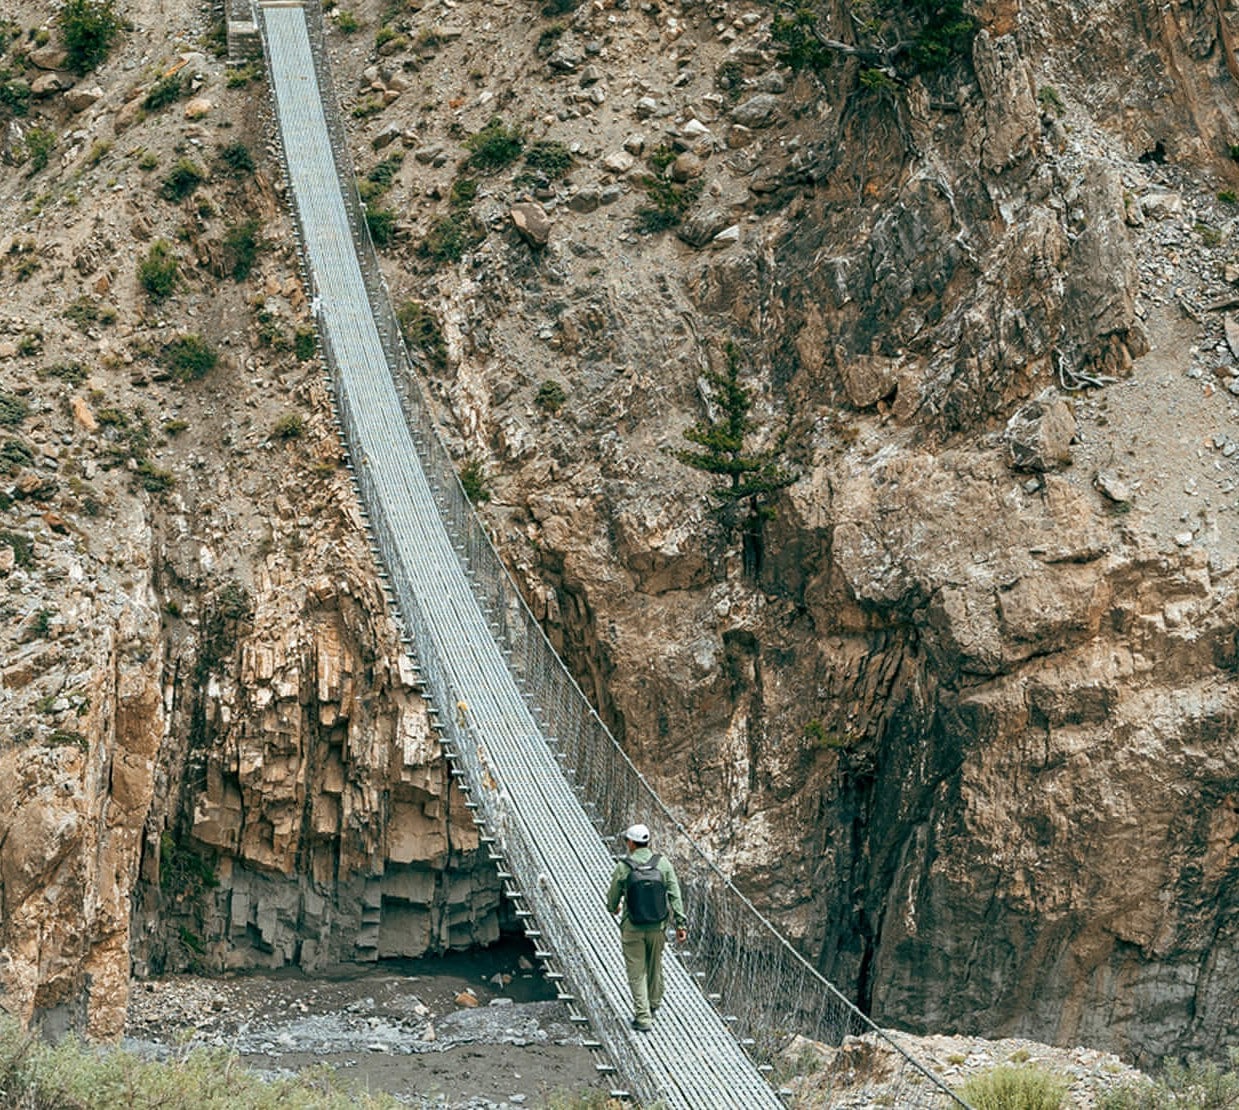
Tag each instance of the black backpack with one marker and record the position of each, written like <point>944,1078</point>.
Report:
<point>646,892</point>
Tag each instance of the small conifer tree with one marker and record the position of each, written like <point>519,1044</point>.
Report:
<point>750,478</point>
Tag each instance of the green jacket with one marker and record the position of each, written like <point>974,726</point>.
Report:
<point>619,882</point>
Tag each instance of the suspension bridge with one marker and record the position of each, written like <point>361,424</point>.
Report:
<point>545,781</point>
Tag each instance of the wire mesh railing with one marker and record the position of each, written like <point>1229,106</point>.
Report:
<point>766,989</point>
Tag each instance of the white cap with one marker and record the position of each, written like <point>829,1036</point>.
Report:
<point>638,834</point>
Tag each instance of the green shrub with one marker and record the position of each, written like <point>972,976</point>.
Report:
<point>1011,1088</point>
<point>23,548</point>
<point>421,332</point>
<point>165,91</point>
<point>35,1074</point>
<point>185,177</point>
<point>14,93</point>
<point>13,409</point>
<point>1050,101</point>
<point>348,22</point>
<point>450,237</point>
<point>157,272</point>
<point>1201,1086</point>
<point>88,28</point>
<point>83,314</point>
<point>494,147</point>
<point>946,35</point>
<point>381,223</point>
<point>368,106</point>
<point>188,357</point>
<point>39,143</point>
<point>236,159</point>
<point>152,478</point>
<point>473,479</point>
<point>669,201</point>
<point>305,344</point>
<point>935,33</point>
<point>30,343</point>
<point>380,177</point>
<point>242,245</point>
<point>270,333</point>
<point>239,76</point>
<point>289,426</point>
<point>551,396</point>
<point>549,158</point>
<point>13,456</point>
<point>462,193</point>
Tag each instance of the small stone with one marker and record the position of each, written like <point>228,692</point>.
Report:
<point>79,99</point>
<point>48,57</point>
<point>701,225</point>
<point>1184,539</point>
<point>386,137</point>
<point>586,199</point>
<point>618,162</point>
<point>198,107</point>
<point>1113,487</point>
<point>47,83</point>
<point>756,112</point>
<point>532,222</point>
<point>564,61</point>
<point>467,999</point>
<point>1039,435</point>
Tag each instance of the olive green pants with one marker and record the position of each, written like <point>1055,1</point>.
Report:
<point>643,959</point>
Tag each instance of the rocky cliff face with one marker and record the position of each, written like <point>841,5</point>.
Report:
<point>966,727</point>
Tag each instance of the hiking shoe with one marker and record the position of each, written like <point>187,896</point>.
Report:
<point>642,1026</point>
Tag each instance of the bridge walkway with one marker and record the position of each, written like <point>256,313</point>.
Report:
<point>691,1059</point>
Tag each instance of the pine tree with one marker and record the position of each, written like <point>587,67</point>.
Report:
<point>752,477</point>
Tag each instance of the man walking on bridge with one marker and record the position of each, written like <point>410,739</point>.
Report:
<point>644,886</point>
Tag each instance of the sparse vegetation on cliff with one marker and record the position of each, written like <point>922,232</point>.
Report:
<point>497,145</point>
<point>1202,1086</point>
<point>157,272</point>
<point>88,29</point>
<point>750,477</point>
<point>897,38</point>
<point>1015,1088</point>
<point>39,1077</point>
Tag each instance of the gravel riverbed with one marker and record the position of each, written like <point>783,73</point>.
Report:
<point>474,1030</point>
